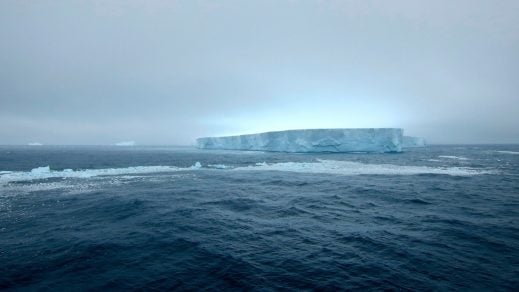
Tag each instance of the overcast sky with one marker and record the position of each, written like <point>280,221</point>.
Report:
<point>167,72</point>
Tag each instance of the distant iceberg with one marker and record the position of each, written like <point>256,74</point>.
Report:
<point>125,143</point>
<point>377,140</point>
<point>34,144</point>
<point>508,152</point>
<point>412,142</point>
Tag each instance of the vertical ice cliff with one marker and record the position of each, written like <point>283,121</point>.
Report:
<point>312,140</point>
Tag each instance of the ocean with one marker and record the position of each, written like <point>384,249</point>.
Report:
<point>179,218</point>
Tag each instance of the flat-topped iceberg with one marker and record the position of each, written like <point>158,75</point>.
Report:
<point>411,142</point>
<point>312,140</point>
<point>125,143</point>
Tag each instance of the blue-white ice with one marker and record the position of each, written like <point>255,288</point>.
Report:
<point>508,152</point>
<point>410,142</point>
<point>312,140</point>
<point>125,143</point>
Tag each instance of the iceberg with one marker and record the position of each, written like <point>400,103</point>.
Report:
<point>377,140</point>
<point>508,152</point>
<point>125,143</point>
<point>412,142</point>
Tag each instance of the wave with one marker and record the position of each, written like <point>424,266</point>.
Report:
<point>45,172</point>
<point>357,168</point>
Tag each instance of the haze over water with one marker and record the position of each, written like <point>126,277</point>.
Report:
<point>141,75</point>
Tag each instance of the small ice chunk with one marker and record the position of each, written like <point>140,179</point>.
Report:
<point>197,165</point>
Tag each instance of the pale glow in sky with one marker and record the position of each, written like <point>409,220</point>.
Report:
<point>311,114</point>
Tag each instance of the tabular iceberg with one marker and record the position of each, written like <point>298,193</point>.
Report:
<point>411,142</point>
<point>125,143</point>
<point>312,140</point>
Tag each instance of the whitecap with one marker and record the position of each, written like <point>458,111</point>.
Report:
<point>41,170</point>
<point>219,166</point>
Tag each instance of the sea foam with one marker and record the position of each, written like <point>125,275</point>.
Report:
<point>45,172</point>
<point>356,168</point>
<point>336,167</point>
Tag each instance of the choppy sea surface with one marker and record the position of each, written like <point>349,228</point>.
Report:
<point>98,218</point>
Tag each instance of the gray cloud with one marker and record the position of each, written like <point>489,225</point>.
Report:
<point>166,72</point>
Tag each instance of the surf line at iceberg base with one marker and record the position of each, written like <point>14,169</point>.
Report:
<point>349,168</point>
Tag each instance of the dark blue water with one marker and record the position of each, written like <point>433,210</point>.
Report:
<point>440,218</point>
